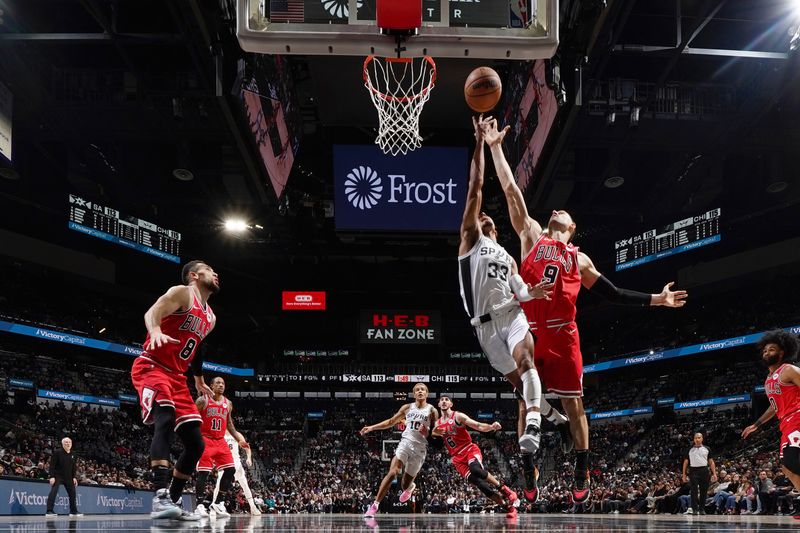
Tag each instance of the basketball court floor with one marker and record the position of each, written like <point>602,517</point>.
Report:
<point>342,522</point>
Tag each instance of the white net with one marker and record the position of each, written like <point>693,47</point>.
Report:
<point>399,88</point>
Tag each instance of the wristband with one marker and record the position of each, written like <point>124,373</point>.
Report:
<point>519,288</point>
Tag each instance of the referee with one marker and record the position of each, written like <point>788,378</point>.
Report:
<point>699,461</point>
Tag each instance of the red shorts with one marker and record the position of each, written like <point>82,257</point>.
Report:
<point>558,359</point>
<point>465,456</point>
<point>217,453</point>
<point>155,383</point>
<point>790,432</point>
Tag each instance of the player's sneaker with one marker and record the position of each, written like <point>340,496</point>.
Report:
<point>529,441</point>
<point>254,511</point>
<point>689,511</point>
<point>201,510</point>
<point>188,516</point>
<point>219,510</point>
<point>406,494</point>
<point>163,506</point>
<point>567,443</point>
<point>510,496</point>
<point>372,510</point>
<point>50,514</point>
<point>75,514</point>
<point>580,490</point>
<point>531,488</point>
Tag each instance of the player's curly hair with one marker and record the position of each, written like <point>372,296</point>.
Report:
<point>787,342</point>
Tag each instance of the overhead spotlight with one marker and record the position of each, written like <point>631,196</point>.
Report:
<point>611,118</point>
<point>183,174</point>
<point>102,330</point>
<point>235,225</point>
<point>259,226</point>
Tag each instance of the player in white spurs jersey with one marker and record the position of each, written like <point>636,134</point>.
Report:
<point>492,290</point>
<point>239,474</point>
<point>420,417</point>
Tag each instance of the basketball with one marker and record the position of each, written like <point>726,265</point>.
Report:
<point>482,89</point>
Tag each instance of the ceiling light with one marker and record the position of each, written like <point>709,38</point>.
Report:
<point>235,225</point>
<point>613,182</point>
<point>183,174</point>
<point>9,174</point>
<point>101,330</point>
<point>777,186</point>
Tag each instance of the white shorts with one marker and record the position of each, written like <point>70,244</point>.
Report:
<point>412,454</point>
<point>500,336</point>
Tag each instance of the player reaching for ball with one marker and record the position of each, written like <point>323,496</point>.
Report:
<point>492,291</point>
<point>467,457</point>
<point>549,256</point>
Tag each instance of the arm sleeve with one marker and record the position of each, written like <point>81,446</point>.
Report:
<point>609,291</point>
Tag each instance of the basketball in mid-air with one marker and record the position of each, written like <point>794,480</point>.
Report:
<point>482,89</point>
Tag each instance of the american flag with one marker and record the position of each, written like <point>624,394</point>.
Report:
<point>286,11</point>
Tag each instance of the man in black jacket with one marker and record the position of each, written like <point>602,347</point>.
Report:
<point>63,470</point>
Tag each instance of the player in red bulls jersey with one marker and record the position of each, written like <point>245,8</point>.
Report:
<point>216,413</point>
<point>176,324</point>
<point>467,457</point>
<point>549,256</point>
<point>778,350</point>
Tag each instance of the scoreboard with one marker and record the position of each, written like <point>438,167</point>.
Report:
<point>109,224</point>
<point>675,238</point>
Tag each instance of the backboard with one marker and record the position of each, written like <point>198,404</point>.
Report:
<point>492,29</point>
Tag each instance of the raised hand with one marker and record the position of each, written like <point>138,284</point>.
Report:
<point>490,133</point>
<point>670,298</point>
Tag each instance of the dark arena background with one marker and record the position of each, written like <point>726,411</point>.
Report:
<point>137,136</point>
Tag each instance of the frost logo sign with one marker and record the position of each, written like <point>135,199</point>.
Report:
<point>363,187</point>
<point>423,191</point>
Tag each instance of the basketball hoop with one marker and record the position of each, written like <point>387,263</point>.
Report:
<point>399,88</point>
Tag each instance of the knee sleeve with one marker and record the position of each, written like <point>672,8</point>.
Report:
<point>484,486</point>
<point>477,470</point>
<point>163,423</point>
<point>791,459</point>
<point>193,446</point>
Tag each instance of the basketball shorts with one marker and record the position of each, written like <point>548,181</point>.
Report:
<point>412,454</point>
<point>155,383</point>
<point>464,457</point>
<point>500,336</point>
<point>558,359</point>
<point>217,453</point>
<point>790,432</point>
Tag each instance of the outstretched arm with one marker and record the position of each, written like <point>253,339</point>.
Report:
<point>593,280</point>
<point>470,225</point>
<point>386,424</point>
<point>176,298</point>
<point>527,228</point>
<point>461,418</point>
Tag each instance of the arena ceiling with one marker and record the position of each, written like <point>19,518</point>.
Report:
<point>111,96</point>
